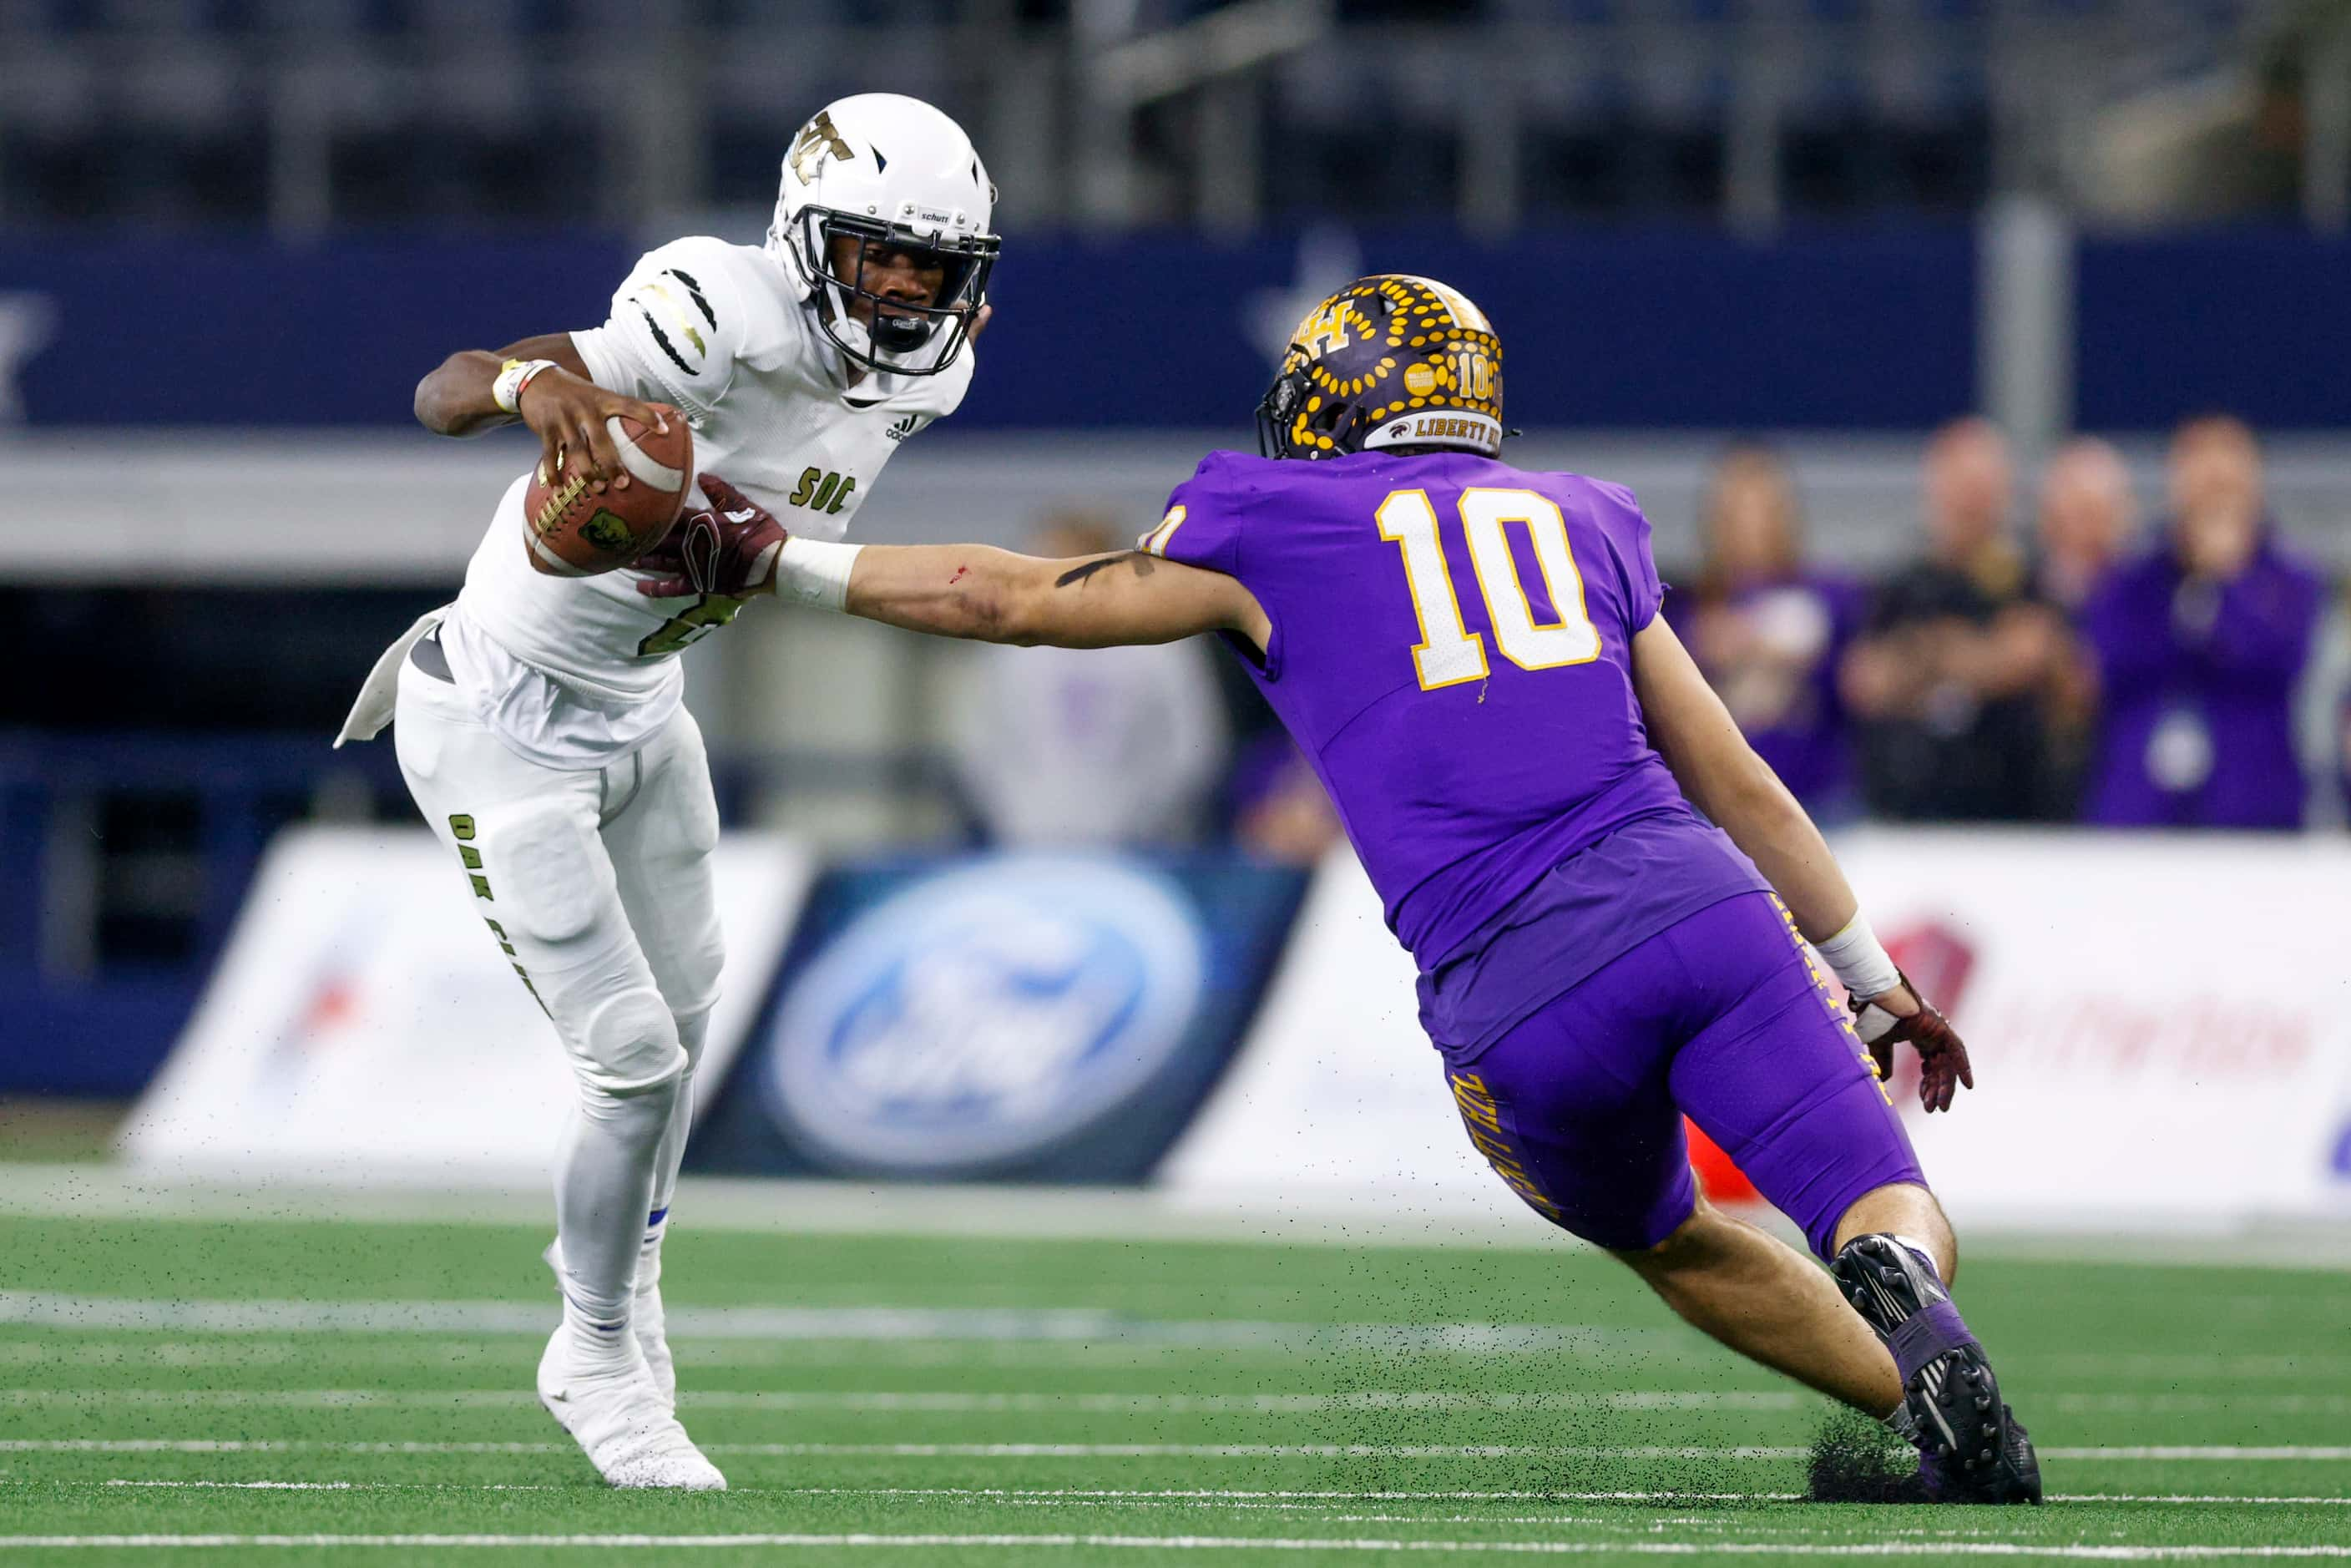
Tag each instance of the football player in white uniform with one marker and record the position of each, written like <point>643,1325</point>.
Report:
<point>540,726</point>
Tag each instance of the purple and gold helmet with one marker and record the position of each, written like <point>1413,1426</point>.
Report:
<point>1391,360</point>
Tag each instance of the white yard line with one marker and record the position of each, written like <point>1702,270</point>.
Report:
<point>913,1450</point>
<point>962,1402</point>
<point>949,1402</point>
<point>1111,1497</point>
<point>52,1348</point>
<point>2293,1453</point>
<point>1194,1543</point>
<point>57,1310</point>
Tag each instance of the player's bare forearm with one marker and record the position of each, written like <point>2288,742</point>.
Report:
<point>455,400</point>
<point>563,407</point>
<point>974,591</point>
<point>996,596</point>
<point>1723,777</point>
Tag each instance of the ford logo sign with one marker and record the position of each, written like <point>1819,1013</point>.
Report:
<point>985,1014</point>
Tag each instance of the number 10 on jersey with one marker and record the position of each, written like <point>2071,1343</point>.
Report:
<point>1449,653</point>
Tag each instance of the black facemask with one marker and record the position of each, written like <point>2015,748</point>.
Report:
<point>898,328</point>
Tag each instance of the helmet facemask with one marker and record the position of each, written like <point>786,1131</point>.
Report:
<point>903,338</point>
<point>1288,422</point>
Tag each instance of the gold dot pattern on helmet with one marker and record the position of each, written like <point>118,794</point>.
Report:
<point>1385,346</point>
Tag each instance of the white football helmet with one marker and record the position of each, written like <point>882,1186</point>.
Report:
<point>881,166</point>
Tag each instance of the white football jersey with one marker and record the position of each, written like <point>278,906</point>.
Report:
<point>573,671</point>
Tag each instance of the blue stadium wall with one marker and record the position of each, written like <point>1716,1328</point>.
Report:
<point>1650,328</point>
<point>1853,327</point>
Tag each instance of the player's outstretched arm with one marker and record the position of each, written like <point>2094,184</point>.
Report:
<point>562,406</point>
<point>1723,777</point>
<point>737,547</point>
<point>1092,601</point>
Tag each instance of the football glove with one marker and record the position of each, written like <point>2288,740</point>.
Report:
<point>729,549</point>
<point>1942,1055</point>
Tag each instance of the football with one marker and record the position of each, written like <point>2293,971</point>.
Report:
<point>573,529</point>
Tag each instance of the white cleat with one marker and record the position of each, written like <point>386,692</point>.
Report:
<point>618,1419</point>
<point>645,1321</point>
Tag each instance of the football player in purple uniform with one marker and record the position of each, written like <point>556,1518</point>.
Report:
<point>1606,892</point>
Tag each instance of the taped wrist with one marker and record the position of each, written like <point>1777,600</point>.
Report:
<point>1860,964</point>
<point>513,376</point>
<point>814,572</point>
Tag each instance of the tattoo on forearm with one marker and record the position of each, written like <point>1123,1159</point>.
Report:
<point>1081,575</point>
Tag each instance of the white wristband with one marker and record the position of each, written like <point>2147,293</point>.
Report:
<point>814,572</point>
<point>513,376</point>
<point>1861,966</point>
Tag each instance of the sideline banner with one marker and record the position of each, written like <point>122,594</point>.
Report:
<point>1012,1016</point>
<point>2156,1022</point>
<point>361,1024</point>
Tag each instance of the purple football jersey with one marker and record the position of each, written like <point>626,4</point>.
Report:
<point>1452,652</point>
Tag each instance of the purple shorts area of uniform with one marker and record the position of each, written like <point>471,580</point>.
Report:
<point>1582,915</point>
<point>1721,1016</point>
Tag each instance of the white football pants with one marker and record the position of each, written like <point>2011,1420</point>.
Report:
<point>596,888</point>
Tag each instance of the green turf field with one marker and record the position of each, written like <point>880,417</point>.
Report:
<point>286,1392</point>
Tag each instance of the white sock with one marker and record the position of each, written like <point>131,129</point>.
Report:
<point>603,1190</point>
<point>649,1249</point>
<point>594,1339</point>
<point>691,1030</point>
<point>1920,1251</point>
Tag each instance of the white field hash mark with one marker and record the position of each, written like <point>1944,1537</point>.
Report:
<point>961,1402</point>
<point>2153,1454</point>
<point>1201,1543</point>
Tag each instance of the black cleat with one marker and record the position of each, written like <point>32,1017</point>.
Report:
<point>1972,1447</point>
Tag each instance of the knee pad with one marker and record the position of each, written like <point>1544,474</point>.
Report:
<point>630,1046</point>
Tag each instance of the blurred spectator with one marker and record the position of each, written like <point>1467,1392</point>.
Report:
<point>1768,632</point>
<point>2088,514</point>
<point>2199,646</point>
<point>1946,680</point>
<point>2088,517</point>
<point>1112,745</point>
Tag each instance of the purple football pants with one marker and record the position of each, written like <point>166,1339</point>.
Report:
<point>1722,1017</point>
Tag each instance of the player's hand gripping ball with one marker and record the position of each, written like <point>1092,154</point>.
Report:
<point>1943,1062</point>
<point>574,526</point>
<point>728,547</point>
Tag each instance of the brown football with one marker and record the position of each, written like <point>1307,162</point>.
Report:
<point>573,529</point>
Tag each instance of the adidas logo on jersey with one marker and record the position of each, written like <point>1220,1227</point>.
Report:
<point>904,427</point>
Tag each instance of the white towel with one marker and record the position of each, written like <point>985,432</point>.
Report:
<point>380,691</point>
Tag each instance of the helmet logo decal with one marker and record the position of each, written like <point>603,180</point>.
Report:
<point>1325,328</point>
<point>881,164</point>
<point>819,140</point>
